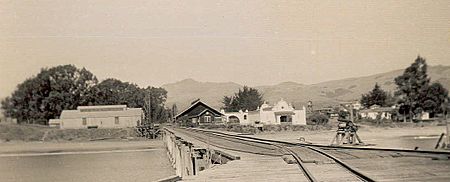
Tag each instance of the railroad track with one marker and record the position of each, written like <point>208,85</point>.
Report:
<point>338,168</point>
<point>233,144</point>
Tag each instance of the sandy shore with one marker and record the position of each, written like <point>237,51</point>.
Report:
<point>54,147</point>
<point>405,137</point>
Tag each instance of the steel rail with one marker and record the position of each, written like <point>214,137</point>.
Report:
<point>301,165</point>
<point>306,172</point>
<point>340,147</point>
<point>245,142</point>
<point>234,149</point>
<point>356,172</point>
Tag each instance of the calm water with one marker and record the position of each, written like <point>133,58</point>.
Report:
<point>122,166</point>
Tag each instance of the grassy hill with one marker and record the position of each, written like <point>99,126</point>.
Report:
<point>184,92</point>
<point>325,93</point>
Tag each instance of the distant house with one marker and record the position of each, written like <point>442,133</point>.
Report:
<point>423,116</point>
<point>109,116</point>
<point>377,112</point>
<point>325,110</point>
<point>200,113</point>
<point>329,111</point>
<point>356,105</point>
<point>280,113</point>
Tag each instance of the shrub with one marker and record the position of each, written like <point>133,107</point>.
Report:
<point>317,119</point>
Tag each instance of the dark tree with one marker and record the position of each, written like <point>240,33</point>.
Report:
<point>390,100</point>
<point>434,98</point>
<point>317,119</point>
<point>246,99</point>
<point>45,95</point>
<point>377,96</point>
<point>155,98</point>
<point>112,92</point>
<point>415,91</point>
<point>151,99</point>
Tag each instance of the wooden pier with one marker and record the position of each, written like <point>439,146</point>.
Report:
<point>252,159</point>
<point>251,167</point>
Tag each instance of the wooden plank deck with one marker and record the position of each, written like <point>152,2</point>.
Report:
<point>378,165</point>
<point>404,169</point>
<point>251,168</point>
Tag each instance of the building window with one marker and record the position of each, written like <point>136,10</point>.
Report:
<point>284,119</point>
<point>207,119</point>
<point>245,117</point>
<point>116,120</point>
<point>84,121</point>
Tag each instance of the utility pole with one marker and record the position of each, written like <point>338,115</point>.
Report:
<point>448,137</point>
<point>148,104</point>
<point>150,108</point>
<point>446,122</point>
<point>351,112</point>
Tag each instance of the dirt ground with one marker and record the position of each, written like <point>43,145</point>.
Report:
<point>405,137</point>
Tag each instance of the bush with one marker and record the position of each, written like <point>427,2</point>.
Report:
<point>37,133</point>
<point>317,119</point>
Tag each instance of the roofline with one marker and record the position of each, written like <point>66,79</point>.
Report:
<point>195,103</point>
<point>206,110</point>
<point>80,117</point>
<point>192,105</point>
<point>101,106</point>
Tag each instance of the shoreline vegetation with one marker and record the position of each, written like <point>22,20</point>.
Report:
<point>40,133</point>
<point>42,139</point>
<point>331,125</point>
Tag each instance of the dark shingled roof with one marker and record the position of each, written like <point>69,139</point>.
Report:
<point>197,108</point>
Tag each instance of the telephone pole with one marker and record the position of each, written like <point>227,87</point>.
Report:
<point>445,110</point>
<point>148,104</point>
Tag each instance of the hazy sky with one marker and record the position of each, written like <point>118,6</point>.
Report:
<point>249,42</point>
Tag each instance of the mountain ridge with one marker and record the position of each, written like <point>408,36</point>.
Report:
<point>321,94</point>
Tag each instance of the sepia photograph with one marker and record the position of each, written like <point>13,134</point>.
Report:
<point>224,90</point>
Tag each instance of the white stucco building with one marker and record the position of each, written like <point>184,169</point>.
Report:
<point>280,113</point>
<point>109,116</point>
<point>377,112</point>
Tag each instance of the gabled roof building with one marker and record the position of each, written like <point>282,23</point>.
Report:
<point>200,113</point>
<point>281,113</point>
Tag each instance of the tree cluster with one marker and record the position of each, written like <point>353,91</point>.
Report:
<point>245,99</point>
<point>112,91</point>
<point>45,95</point>
<point>415,92</point>
<point>317,119</point>
<point>375,97</point>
